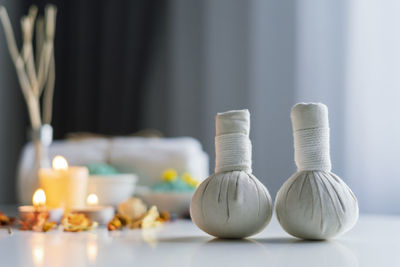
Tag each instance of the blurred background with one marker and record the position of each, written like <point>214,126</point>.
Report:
<point>124,66</point>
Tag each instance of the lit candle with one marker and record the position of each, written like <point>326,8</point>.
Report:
<point>95,212</point>
<point>65,186</point>
<point>39,199</point>
<point>39,206</point>
<point>92,200</point>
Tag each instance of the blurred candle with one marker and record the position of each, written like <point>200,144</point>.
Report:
<point>65,186</point>
<point>95,212</point>
<point>39,206</point>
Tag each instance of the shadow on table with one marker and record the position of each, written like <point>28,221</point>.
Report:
<point>185,239</point>
<point>284,240</point>
<point>204,239</point>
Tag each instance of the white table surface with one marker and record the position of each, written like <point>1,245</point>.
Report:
<point>375,241</point>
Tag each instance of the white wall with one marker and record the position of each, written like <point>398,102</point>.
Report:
<point>348,56</point>
<point>320,65</point>
<point>372,104</point>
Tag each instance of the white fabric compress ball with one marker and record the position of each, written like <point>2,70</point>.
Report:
<point>232,203</point>
<point>314,203</point>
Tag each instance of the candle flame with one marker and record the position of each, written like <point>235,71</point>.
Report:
<point>39,198</point>
<point>60,163</point>
<point>92,200</point>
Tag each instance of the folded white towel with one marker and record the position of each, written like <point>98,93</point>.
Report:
<point>147,157</point>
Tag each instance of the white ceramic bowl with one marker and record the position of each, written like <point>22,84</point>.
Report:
<point>173,202</point>
<point>112,189</point>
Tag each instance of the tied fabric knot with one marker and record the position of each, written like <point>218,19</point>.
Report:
<point>312,149</point>
<point>233,153</point>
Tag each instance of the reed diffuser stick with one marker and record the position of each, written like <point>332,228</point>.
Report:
<point>36,75</point>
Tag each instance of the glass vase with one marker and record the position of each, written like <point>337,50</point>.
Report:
<point>34,156</point>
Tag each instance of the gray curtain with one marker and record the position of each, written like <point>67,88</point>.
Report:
<point>220,55</point>
<point>13,118</point>
<point>103,51</point>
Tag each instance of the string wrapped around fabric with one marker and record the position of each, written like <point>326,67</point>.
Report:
<point>233,153</point>
<point>311,148</point>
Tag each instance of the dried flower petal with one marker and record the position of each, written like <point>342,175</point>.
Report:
<point>48,226</point>
<point>164,216</point>
<point>40,221</point>
<point>37,221</point>
<point>77,222</point>
<point>114,224</point>
<point>149,219</point>
<point>5,220</point>
<point>132,208</point>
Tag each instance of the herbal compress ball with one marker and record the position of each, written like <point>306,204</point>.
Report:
<point>314,203</point>
<point>232,203</point>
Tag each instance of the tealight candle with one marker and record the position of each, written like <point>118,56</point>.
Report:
<point>39,199</point>
<point>39,206</point>
<point>95,212</point>
<point>65,186</point>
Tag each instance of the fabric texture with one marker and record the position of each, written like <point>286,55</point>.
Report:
<point>314,203</point>
<point>232,203</point>
<point>232,143</point>
<point>311,137</point>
